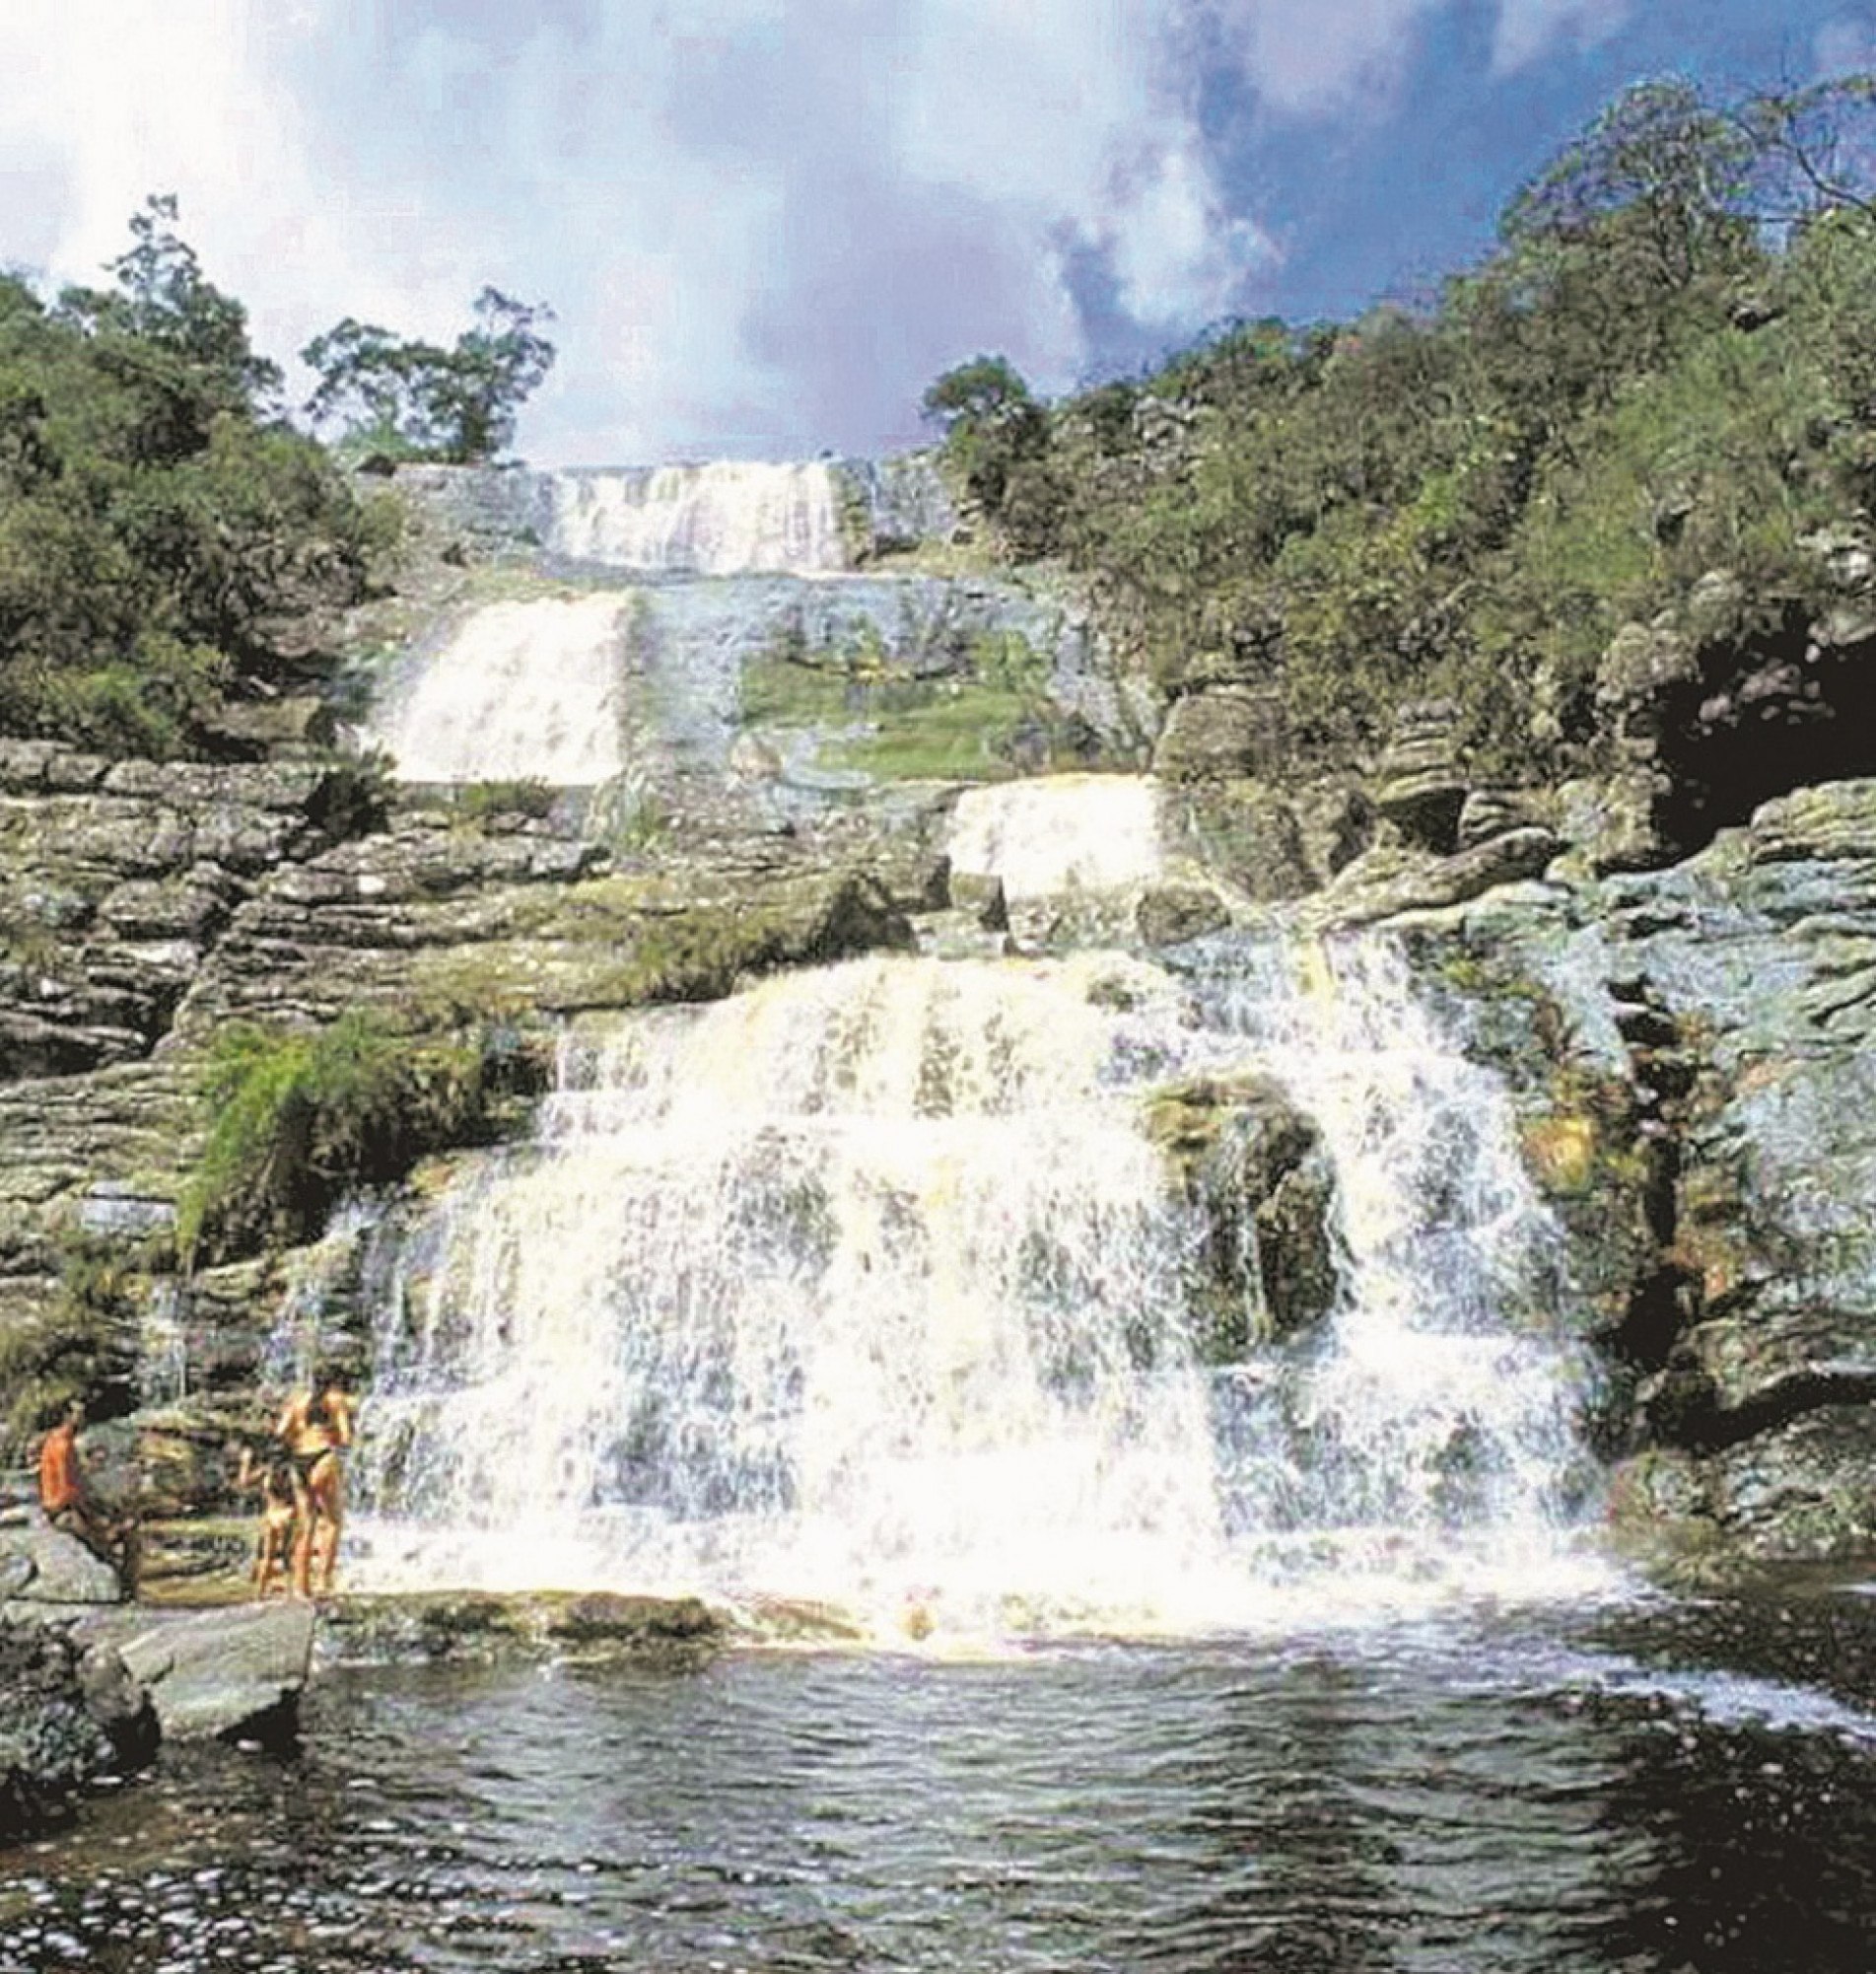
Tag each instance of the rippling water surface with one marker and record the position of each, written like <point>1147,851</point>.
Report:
<point>1474,1795</point>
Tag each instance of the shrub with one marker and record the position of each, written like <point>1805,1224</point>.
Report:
<point>479,801</point>
<point>299,1117</point>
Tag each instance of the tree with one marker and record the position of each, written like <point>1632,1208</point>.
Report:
<point>1660,154</point>
<point>422,401</point>
<point>1815,148</point>
<point>159,526</point>
<point>162,300</point>
<point>992,427</point>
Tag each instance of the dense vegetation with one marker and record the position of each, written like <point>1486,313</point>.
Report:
<point>299,1118</point>
<point>1667,367</point>
<point>161,525</point>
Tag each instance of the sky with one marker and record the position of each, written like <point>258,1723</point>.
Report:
<point>764,226</point>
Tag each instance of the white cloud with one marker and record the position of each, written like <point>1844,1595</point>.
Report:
<point>1844,48</point>
<point>1312,57</point>
<point>1527,27</point>
<point>765,224</point>
<point>690,188</point>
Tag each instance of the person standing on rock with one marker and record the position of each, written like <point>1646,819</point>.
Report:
<point>273,1479</point>
<point>316,1427</point>
<point>70,1506</point>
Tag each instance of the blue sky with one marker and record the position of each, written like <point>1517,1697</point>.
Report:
<point>765,225</point>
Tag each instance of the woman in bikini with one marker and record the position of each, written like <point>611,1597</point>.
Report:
<point>316,1427</point>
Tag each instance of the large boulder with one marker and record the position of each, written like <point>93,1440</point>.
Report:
<point>69,1716</point>
<point>238,1668</point>
<point>1241,1148</point>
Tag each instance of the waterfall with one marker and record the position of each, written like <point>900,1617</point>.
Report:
<point>522,690</point>
<point>728,518</point>
<point>1444,1402</point>
<point>1060,832</point>
<point>867,1286</point>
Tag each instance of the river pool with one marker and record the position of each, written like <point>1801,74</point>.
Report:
<point>1654,1786</point>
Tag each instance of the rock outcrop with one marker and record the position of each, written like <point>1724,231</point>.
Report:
<point>1241,1150</point>
<point>70,1717</point>
<point>1692,1049</point>
<point>236,1670</point>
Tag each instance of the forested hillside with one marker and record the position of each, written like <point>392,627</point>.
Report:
<point>161,528</point>
<point>1666,373</point>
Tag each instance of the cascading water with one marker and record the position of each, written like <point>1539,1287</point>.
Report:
<point>866,1286</point>
<point>1057,832</point>
<point>1434,1432</point>
<point>728,518</point>
<point>522,690</point>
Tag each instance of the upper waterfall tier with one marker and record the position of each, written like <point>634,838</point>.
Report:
<point>728,518</point>
<point>532,689</point>
<point>1060,832</point>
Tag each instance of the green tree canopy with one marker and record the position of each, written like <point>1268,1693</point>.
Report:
<point>1665,369</point>
<point>419,401</point>
<point>996,435</point>
<point>157,522</point>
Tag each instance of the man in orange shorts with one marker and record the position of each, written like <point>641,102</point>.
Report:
<point>69,1504</point>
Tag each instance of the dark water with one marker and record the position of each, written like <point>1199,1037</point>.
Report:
<point>1682,1790</point>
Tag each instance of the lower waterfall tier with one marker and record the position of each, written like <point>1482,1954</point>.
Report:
<point>872,1285</point>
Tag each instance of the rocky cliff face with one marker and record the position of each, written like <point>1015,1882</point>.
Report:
<point>1692,1051</point>
<point>1688,1040</point>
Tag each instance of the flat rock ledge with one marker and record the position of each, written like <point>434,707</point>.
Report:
<point>485,1626</point>
<point>235,1670</point>
<point>89,1692</point>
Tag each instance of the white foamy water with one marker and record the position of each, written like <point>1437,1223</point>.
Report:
<point>731,516</point>
<point>865,1286</point>
<point>1445,1396</point>
<point>523,690</point>
<point>1058,833</point>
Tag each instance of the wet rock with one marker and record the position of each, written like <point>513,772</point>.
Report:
<point>483,1625</point>
<point>213,1672</point>
<point>983,897</point>
<point>1701,1107</point>
<point>1239,1145</point>
<point>1170,913</point>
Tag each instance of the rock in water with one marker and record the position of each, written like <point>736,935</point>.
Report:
<point>66,1718</point>
<point>213,1672</point>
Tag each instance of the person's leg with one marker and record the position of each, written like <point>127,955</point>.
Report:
<point>331,1504</point>
<point>303,1520</point>
<point>267,1552</point>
